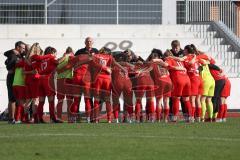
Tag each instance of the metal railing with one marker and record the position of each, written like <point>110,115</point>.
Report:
<point>80,11</point>
<point>214,10</point>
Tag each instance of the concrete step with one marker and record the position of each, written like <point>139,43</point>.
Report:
<point>197,28</point>
<point>219,48</point>
<point>213,41</point>
<point>232,74</point>
<point>226,55</point>
<point>205,34</point>
<point>232,62</point>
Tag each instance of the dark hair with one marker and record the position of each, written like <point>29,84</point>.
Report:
<point>194,47</point>
<point>189,48</point>
<point>19,43</point>
<point>155,53</point>
<point>69,50</point>
<point>175,43</point>
<point>49,50</point>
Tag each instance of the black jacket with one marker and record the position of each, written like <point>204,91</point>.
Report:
<point>85,51</point>
<point>11,59</point>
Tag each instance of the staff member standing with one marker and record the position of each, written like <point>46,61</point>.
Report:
<point>82,77</point>
<point>13,56</point>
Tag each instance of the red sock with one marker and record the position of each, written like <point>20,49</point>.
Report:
<point>59,108</point>
<point>74,106</point>
<point>138,109</point>
<point>150,105</point>
<point>158,112</point>
<point>130,109</point>
<point>87,107</point>
<point>25,117</point>
<point>109,110</point>
<point>166,112</point>
<point>199,112</point>
<point>96,110</point>
<point>188,106</point>
<point>221,111</point>
<point>116,110</point>
<point>193,111</point>
<point>225,111</point>
<point>35,116</point>
<point>52,110</point>
<point>19,113</point>
<point>175,106</point>
<point>40,110</point>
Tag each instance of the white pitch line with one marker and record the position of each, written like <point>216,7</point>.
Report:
<point>118,136</point>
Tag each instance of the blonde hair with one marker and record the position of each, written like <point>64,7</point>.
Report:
<point>34,50</point>
<point>168,53</point>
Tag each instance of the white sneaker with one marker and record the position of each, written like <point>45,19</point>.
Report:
<point>219,120</point>
<point>198,119</point>
<point>88,120</point>
<point>116,120</point>
<point>130,121</point>
<point>18,122</point>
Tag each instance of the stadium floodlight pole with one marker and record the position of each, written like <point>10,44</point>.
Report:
<point>117,11</point>
<point>46,9</point>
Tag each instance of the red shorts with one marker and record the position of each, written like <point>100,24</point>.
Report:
<point>226,89</point>
<point>164,87</point>
<point>181,86</point>
<point>196,85</point>
<point>102,86</point>
<point>32,89</point>
<point>79,86</point>
<point>64,87</point>
<point>144,84</point>
<point>46,86</point>
<point>19,92</point>
<point>120,84</point>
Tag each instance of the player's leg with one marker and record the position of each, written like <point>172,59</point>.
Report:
<point>209,100</point>
<point>150,103</point>
<point>198,112</point>
<point>219,84</point>
<point>158,108</point>
<point>128,103</point>
<point>96,106</point>
<point>139,92</point>
<point>60,96</point>
<point>19,114</point>
<point>175,107</point>
<point>166,108</point>
<point>87,100</point>
<point>106,91</point>
<point>11,98</point>
<point>116,104</point>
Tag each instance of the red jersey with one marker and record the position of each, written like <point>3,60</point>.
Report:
<point>46,64</point>
<point>158,72</point>
<point>205,57</point>
<point>119,74</point>
<point>217,75</point>
<point>143,78</point>
<point>30,76</point>
<point>174,63</point>
<point>192,67</point>
<point>102,62</point>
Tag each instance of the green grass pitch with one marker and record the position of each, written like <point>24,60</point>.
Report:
<point>81,141</point>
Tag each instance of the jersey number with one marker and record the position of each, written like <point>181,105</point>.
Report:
<point>103,62</point>
<point>43,66</point>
